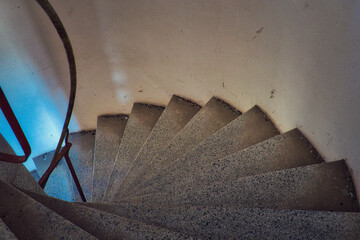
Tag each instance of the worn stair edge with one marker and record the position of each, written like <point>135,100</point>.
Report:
<point>142,119</point>
<point>5,232</point>
<point>248,129</point>
<point>105,225</point>
<point>284,151</point>
<point>233,222</point>
<point>28,219</point>
<point>16,173</point>
<point>213,116</point>
<point>109,131</point>
<point>322,187</point>
<point>176,114</point>
<point>82,158</point>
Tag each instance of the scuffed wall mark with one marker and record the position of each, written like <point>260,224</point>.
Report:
<point>223,84</point>
<point>306,5</point>
<point>141,90</point>
<point>257,33</point>
<point>260,30</point>
<point>272,95</point>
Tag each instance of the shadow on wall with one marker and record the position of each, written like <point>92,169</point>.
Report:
<point>30,81</point>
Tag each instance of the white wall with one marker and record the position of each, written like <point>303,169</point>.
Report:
<point>306,52</point>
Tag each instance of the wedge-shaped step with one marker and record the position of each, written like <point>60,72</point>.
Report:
<point>109,131</point>
<point>14,173</point>
<point>288,150</point>
<point>231,222</point>
<point>248,129</point>
<point>141,121</point>
<point>176,114</point>
<point>28,219</point>
<point>82,158</point>
<point>324,187</point>
<point>105,225</point>
<point>5,232</point>
<point>61,183</point>
<point>213,116</point>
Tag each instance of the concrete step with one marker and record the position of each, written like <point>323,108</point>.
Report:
<point>28,219</point>
<point>109,131</point>
<point>142,119</point>
<point>231,222</point>
<point>61,183</point>
<point>248,129</point>
<point>16,174</point>
<point>288,150</point>
<point>322,187</point>
<point>105,225</point>
<point>213,116</point>
<point>176,114</point>
<point>5,232</point>
<point>82,158</point>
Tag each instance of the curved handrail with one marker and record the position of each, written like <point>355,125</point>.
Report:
<point>19,134</point>
<point>46,6</point>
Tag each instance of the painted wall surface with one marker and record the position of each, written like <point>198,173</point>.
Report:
<point>298,60</point>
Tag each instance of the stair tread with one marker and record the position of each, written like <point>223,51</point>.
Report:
<point>109,132</point>
<point>82,158</point>
<point>214,115</point>
<point>142,119</point>
<point>246,130</point>
<point>15,173</point>
<point>324,186</point>
<point>288,150</point>
<point>176,114</point>
<point>221,222</point>
<point>18,210</point>
<point>5,232</point>
<point>105,225</point>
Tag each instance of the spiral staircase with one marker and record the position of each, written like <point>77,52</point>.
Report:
<point>185,172</point>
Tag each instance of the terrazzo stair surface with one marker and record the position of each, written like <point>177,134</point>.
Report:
<point>82,157</point>
<point>323,187</point>
<point>105,225</point>
<point>246,130</point>
<point>288,150</point>
<point>28,219</point>
<point>182,172</point>
<point>16,174</point>
<point>109,131</point>
<point>226,222</point>
<point>141,121</point>
<point>5,232</point>
<point>213,116</point>
<point>176,114</point>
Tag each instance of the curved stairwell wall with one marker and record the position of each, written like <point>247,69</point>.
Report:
<point>298,60</point>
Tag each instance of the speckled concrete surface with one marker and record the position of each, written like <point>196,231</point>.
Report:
<point>104,225</point>
<point>213,116</point>
<point>28,219</point>
<point>176,114</point>
<point>109,131</point>
<point>59,183</point>
<point>248,129</point>
<point>323,186</point>
<point>236,223</point>
<point>15,173</point>
<point>82,158</point>
<point>5,232</point>
<point>141,121</point>
<point>284,151</point>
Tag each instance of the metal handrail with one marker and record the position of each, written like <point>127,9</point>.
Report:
<point>19,134</point>
<point>53,16</point>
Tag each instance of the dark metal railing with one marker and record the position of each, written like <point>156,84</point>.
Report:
<point>19,134</point>
<point>60,153</point>
<point>5,107</point>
